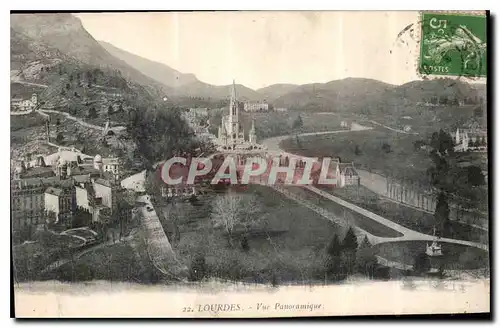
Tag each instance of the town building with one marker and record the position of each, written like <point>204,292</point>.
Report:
<point>280,109</point>
<point>255,106</point>
<point>43,194</point>
<point>470,140</point>
<point>346,175</point>
<point>28,203</point>
<point>230,134</point>
<point>61,203</point>
<point>105,190</point>
<point>19,104</point>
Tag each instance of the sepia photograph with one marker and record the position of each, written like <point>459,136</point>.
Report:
<point>249,164</point>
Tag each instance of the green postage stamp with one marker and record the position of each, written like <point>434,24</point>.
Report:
<point>453,44</point>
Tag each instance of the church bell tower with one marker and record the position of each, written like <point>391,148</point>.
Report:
<point>233,124</point>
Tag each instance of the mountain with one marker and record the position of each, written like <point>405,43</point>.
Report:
<point>65,33</point>
<point>157,71</point>
<point>274,91</point>
<point>43,61</point>
<point>335,95</point>
<point>207,91</point>
<point>423,91</point>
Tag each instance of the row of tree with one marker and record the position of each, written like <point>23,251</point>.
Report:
<point>346,257</point>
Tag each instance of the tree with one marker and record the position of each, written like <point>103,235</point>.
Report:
<point>332,267</point>
<point>442,142</point>
<point>366,261</point>
<point>298,123</point>
<point>470,144</point>
<point>422,263</point>
<point>160,134</point>
<point>334,247</point>
<point>198,268</point>
<point>475,176</point>
<point>386,147</point>
<point>483,141</point>
<point>348,261</point>
<point>357,151</point>
<point>92,112</point>
<point>231,211</point>
<point>110,109</point>
<point>418,144</point>
<point>442,212</point>
<point>478,112</point>
<point>68,86</point>
<point>350,241</point>
<point>120,108</point>
<point>244,244</point>
<point>59,137</point>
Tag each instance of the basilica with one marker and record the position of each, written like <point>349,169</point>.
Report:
<point>231,136</point>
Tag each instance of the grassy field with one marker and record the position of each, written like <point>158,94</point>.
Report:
<point>289,243</point>
<point>351,217</point>
<point>401,162</point>
<point>406,216</point>
<point>455,257</point>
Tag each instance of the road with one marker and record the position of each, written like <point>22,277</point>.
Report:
<point>392,129</point>
<point>28,83</point>
<point>158,246</point>
<point>81,121</point>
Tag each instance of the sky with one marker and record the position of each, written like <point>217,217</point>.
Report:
<point>262,48</point>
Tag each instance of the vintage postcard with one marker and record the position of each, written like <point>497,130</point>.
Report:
<point>249,164</point>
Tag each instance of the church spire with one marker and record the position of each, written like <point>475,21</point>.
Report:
<point>232,102</point>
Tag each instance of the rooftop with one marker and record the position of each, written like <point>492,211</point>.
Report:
<point>41,172</point>
<point>103,182</point>
<point>34,182</point>
<point>54,191</point>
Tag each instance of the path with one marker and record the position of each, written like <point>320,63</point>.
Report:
<point>392,129</point>
<point>28,83</point>
<point>158,246</point>
<point>80,121</point>
<point>273,143</point>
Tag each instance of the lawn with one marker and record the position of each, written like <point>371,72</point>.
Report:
<point>404,215</point>
<point>351,217</point>
<point>288,243</point>
<point>455,257</point>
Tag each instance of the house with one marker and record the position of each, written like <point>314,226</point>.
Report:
<point>24,104</point>
<point>60,202</point>
<point>256,107</point>
<point>347,175</point>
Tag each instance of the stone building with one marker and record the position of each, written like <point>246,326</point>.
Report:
<point>256,107</point>
<point>346,175</point>
<point>230,134</point>
<point>62,203</point>
<point>19,104</point>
